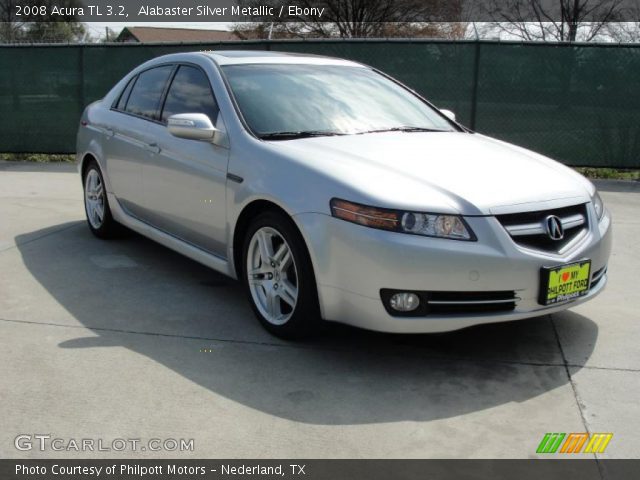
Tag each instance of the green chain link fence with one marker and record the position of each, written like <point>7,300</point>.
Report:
<point>579,104</point>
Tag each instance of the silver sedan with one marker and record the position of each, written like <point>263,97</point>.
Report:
<point>333,192</point>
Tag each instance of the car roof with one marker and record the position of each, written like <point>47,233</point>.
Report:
<point>239,57</point>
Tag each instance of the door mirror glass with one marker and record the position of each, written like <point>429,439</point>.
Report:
<point>448,113</point>
<point>192,126</point>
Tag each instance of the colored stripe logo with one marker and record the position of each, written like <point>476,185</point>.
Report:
<point>574,442</point>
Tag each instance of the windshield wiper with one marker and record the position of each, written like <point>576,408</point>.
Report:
<point>404,129</point>
<point>321,133</point>
<point>299,134</point>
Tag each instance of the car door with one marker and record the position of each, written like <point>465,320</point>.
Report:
<point>128,141</point>
<point>185,180</point>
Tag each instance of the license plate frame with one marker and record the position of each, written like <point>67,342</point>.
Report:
<point>555,275</point>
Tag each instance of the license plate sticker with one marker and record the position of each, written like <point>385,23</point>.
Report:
<point>564,282</point>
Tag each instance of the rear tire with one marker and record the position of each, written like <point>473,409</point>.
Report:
<point>96,203</point>
<point>278,277</point>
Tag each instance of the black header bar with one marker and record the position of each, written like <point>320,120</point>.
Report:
<point>320,11</point>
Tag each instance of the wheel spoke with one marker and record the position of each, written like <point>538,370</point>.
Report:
<point>286,261</point>
<point>99,211</point>
<point>98,190</point>
<point>256,278</point>
<point>261,270</point>
<point>265,245</point>
<point>273,305</point>
<point>262,293</point>
<point>281,253</point>
<point>289,293</point>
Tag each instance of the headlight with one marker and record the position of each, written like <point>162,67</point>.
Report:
<point>598,205</point>
<point>426,224</point>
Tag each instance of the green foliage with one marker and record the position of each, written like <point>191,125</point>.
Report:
<point>36,157</point>
<point>47,28</point>
<point>54,32</point>
<point>609,173</point>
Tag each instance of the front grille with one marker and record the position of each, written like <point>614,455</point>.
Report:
<point>529,228</point>
<point>452,303</point>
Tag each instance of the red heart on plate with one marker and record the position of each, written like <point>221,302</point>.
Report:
<point>565,276</point>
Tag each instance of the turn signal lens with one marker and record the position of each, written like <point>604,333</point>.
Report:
<point>367,216</point>
<point>427,224</point>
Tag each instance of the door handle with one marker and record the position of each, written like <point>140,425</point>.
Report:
<point>153,148</point>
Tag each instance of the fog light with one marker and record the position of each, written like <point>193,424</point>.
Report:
<point>404,302</point>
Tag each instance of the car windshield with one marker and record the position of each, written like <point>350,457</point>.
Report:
<point>295,101</point>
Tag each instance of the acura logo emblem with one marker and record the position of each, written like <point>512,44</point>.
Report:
<point>554,228</point>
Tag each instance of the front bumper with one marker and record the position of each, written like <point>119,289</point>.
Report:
<point>353,263</point>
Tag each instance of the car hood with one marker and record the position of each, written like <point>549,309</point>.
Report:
<point>462,172</point>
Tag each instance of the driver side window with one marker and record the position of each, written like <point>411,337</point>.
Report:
<point>190,92</point>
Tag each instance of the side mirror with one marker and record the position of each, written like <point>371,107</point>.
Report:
<point>192,126</point>
<point>448,113</point>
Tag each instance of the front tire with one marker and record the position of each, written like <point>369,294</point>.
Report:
<point>278,277</point>
<point>96,204</point>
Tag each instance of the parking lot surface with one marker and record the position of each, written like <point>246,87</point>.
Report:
<point>126,339</point>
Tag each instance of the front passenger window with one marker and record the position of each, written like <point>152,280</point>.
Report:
<point>190,92</point>
<point>146,94</point>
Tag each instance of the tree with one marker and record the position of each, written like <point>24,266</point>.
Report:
<point>10,25</point>
<point>42,29</point>
<point>55,32</point>
<point>360,19</point>
<point>623,32</point>
<point>627,31</point>
<point>553,20</point>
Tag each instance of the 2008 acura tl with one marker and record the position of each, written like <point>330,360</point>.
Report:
<point>334,192</point>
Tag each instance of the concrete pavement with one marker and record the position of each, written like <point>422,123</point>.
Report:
<point>126,339</point>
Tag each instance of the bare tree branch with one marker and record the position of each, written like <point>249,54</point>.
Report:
<point>560,20</point>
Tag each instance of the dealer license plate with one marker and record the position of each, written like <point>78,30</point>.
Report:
<point>564,282</point>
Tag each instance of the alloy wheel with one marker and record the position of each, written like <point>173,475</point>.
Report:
<point>94,196</point>
<point>272,275</point>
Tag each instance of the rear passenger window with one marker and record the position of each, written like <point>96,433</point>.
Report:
<point>125,94</point>
<point>190,92</point>
<point>147,91</point>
